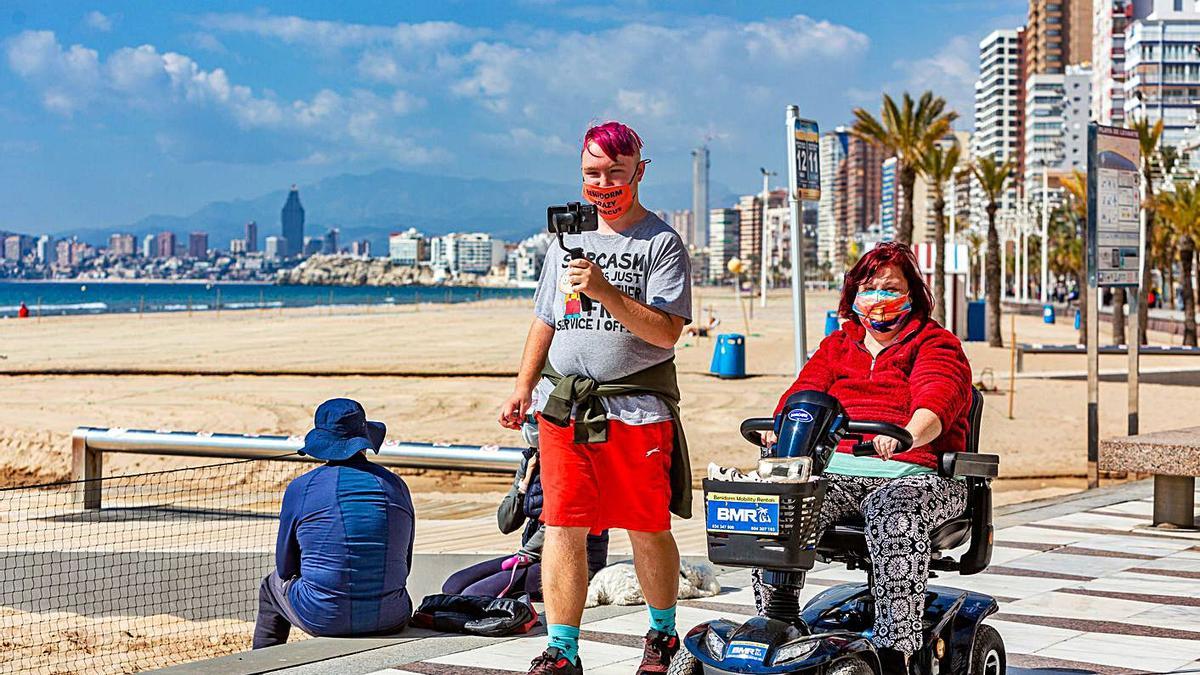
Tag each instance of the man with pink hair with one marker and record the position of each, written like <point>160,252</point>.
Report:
<point>602,383</point>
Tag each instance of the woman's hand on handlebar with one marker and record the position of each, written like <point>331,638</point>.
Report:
<point>885,446</point>
<point>768,438</point>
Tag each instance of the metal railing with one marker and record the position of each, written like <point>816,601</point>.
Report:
<point>88,445</point>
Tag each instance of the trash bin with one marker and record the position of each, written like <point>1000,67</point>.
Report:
<point>729,356</point>
<point>1078,320</point>
<point>1048,313</point>
<point>831,322</point>
<point>976,321</point>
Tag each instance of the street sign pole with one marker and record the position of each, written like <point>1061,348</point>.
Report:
<point>1114,228</point>
<point>804,183</point>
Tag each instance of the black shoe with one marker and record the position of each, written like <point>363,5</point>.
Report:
<point>552,662</point>
<point>660,648</point>
<point>891,661</point>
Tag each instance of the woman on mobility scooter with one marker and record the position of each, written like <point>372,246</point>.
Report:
<point>891,362</point>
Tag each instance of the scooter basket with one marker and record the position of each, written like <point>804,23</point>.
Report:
<point>766,525</point>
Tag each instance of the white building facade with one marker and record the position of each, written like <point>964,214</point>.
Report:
<point>1162,66</point>
<point>723,230</point>
<point>1057,109</point>
<point>997,107</point>
<point>466,253</point>
<point>833,152</point>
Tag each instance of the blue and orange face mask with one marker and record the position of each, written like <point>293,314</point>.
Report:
<point>882,310</point>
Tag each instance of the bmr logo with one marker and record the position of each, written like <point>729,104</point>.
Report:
<point>740,515</point>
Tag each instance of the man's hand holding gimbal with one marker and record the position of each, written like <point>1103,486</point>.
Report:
<point>587,278</point>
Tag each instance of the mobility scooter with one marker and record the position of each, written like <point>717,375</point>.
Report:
<point>771,525</point>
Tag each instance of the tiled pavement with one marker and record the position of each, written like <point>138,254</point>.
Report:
<point>1092,591</point>
<point>1083,589</point>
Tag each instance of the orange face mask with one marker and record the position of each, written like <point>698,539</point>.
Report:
<point>615,201</point>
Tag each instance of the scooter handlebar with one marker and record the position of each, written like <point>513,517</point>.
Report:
<point>751,427</point>
<point>867,448</point>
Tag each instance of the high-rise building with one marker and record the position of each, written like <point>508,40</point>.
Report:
<point>120,244</point>
<point>1058,34</point>
<point>469,253</point>
<point>17,246</point>
<point>834,146</point>
<point>864,187</point>
<point>312,246</point>
<point>361,248</point>
<point>525,264</point>
<point>1162,66</point>
<point>750,213</point>
<point>1057,107</point>
<point>62,252</point>
<point>889,198</point>
<point>45,250</point>
<point>291,220</point>
<point>251,239</point>
<point>165,244</point>
<point>274,248</point>
<point>407,248</point>
<point>999,107</point>
<point>237,246</point>
<point>681,222</point>
<point>1109,21</point>
<point>198,245</point>
<point>330,244</point>
<point>723,229</point>
<point>699,232</point>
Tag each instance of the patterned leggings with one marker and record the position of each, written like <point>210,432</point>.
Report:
<point>899,514</point>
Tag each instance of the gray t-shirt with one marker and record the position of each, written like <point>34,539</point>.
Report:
<point>649,262</point>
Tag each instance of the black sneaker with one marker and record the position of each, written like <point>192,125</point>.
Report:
<point>660,648</point>
<point>552,662</point>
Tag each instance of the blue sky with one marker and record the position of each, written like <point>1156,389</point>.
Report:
<point>113,111</point>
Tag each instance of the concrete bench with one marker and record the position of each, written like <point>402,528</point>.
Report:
<point>1038,348</point>
<point>1174,459</point>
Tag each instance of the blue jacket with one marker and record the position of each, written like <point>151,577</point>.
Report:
<point>346,530</point>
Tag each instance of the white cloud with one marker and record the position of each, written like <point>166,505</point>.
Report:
<point>338,34</point>
<point>98,21</point>
<point>949,73</point>
<point>522,140</point>
<point>174,85</point>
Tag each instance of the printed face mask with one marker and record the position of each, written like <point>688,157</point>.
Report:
<point>883,310</point>
<point>615,201</point>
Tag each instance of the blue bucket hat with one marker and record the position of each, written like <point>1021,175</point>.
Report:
<point>342,430</point>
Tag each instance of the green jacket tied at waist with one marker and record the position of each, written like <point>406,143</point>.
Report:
<point>591,420</point>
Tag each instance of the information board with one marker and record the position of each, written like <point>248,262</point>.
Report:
<point>1114,227</point>
<point>807,150</point>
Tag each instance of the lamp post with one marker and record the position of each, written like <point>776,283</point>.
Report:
<point>1045,234</point>
<point>764,253</point>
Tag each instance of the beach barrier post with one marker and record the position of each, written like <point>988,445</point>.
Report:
<point>262,300</point>
<point>189,306</point>
<point>88,445</point>
<point>39,309</point>
<point>141,305</point>
<point>87,466</point>
<point>218,301</point>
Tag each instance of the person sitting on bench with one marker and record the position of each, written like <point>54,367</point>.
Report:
<point>345,542</point>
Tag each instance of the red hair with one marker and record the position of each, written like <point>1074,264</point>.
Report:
<point>887,253</point>
<point>614,139</point>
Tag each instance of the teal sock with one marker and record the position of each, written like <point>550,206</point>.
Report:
<point>566,639</point>
<point>663,620</point>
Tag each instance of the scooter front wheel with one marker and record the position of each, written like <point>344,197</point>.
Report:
<point>851,665</point>
<point>987,654</point>
<point>684,663</point>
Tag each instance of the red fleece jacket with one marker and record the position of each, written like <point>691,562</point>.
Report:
<point>924,368</point>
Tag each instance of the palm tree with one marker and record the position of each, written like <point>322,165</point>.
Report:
<point>1066,249</point>
<point>937,165</point>
<point>1149,137</point>
<point>1180,211</point>
<point>993,180</point>
<point>906,131</point>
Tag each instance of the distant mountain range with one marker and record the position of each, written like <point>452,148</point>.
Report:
<point>372,205</point>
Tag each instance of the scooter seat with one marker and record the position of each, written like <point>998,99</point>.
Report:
<point>847,542</point>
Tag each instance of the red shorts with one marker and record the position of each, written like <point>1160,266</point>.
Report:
<point>622,483</point>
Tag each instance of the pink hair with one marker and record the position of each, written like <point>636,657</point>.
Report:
<point>614,139</point>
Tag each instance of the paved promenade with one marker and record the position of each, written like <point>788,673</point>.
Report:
<point>1083,586</point>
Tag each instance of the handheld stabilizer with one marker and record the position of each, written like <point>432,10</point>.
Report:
<point>573,218</point>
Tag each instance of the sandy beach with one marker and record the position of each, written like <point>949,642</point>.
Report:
<point>437,372</point>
